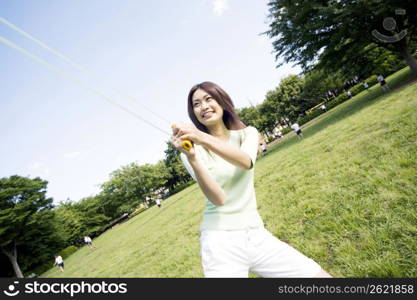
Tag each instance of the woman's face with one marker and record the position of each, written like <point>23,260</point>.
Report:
<point>206,109</point>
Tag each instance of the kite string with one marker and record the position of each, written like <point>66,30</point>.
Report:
<point>80,83</point>
<point>73,63</point>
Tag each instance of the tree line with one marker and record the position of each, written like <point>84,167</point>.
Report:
<point>334,41</point>
<point>33,229</point>
<point>291,101</point>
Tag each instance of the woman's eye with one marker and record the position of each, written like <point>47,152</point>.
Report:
<point>196,104</point>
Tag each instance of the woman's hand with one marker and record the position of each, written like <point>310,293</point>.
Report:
<point>178,133</point>
<point>188,132</point>
<point>178,145</point>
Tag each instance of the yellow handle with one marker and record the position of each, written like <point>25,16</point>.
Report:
<point>187,145</point>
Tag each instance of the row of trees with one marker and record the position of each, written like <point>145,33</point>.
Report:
<point>27,227</point>
<point>296,94</point>
<point>339,34</point>
<point>32,230</point>
<point>333,41</point>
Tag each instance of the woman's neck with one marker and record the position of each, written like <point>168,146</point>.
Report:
<point>220,131</point>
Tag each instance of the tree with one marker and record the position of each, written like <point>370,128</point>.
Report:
<point>130,185</point>
<point>40,241</point>
<point>251,116</point>
<point>22,200</point>
<point>71,226</point>
<point>284,102</point>
<point>316,84</point>
<point>339,32</point>
<point>376,60</point>
<point>77,219</point>
<point>175,172</point>
<point>269,110</point>
<point>91,215</point>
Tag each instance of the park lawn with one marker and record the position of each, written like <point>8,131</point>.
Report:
<point>345,195</point>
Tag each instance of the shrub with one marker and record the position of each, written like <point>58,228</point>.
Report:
<point>336,101</point>
<point>49,264</point>
<point>372,80</point>
<point>315,113</point>
<point>137,211</point>
<point>269,139</point>
<point>180,187</point>
<point>356,89</point>
<point>68,251</point>
<point>286,130</point>
<point>39,269</point>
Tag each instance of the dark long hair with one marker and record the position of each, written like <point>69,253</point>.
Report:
<point>230,118</point>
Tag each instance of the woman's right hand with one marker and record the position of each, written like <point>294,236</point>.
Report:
<point>177,142</point>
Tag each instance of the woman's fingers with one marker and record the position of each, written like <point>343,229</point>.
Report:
<point>175,141</point>
<point>188,136</point>
<point>183,132</point>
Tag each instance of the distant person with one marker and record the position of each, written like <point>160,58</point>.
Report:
<point>158,202</point>
<point>349,94</point>
<point>59,262</point>
<point>366,86</point>
<point>297,130</point>
<point>383,83</point>
<point>277,133</point>
<point>356,79</point>
<point>263,147</point>
<point>88,241</point>
<point>323,107</point>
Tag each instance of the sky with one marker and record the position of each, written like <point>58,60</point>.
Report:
<point>143,55</point>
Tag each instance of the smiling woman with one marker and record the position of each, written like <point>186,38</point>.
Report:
<point>206,92</point>
<point>233,238</point>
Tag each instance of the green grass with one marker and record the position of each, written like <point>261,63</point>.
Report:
<point>345,195</point>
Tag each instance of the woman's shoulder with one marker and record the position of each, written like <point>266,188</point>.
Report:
<point>248,130</point>
<point>246,133</point>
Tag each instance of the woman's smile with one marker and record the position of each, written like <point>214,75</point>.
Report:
<point>206,108</point>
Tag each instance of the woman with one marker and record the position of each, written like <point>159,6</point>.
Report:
<point>59,262</point>
<point>383,83</point>
<point>233,238</point>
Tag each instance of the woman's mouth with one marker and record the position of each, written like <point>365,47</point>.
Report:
<point>207,114</point>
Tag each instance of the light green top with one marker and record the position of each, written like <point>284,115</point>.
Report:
<point>240,209</point>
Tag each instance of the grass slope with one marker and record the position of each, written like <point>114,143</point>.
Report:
<point>344,195</point>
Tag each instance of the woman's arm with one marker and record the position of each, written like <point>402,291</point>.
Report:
<point>222,148</point>
<point>208,185</point>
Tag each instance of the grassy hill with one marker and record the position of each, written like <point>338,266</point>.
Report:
<point>344,195</point>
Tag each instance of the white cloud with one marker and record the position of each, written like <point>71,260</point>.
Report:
<point>35,165</point>
<point>124,159</point>
<point>219,7</point>
<point>185,21</point>
<point>39,169</point>
<point>76,154</point>
<point>219,68</point>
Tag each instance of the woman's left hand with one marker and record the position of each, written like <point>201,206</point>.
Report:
<point>188,132</point>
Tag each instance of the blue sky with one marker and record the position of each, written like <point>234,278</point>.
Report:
<point>153,51</point>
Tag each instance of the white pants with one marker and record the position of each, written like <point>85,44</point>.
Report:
<point>235,253</point>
